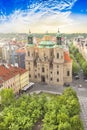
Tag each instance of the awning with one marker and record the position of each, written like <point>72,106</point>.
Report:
<point>28,86</point>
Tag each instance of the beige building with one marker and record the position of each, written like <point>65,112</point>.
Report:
<point>48,61</point>
<point>13,77</point>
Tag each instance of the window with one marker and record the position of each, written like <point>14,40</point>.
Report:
<point>57,66</point>
<point>28,53</point>
<point>57,55</point>
<point>57,72</point>
<point>29,75</point>
<point>68,73</point>
<point>57,80</point>
<point>1,85</point>
<point>51,79</point>
<point>35,76</point>
<point>43,69</point>
<point>51,72</point>
<point>38,75</point>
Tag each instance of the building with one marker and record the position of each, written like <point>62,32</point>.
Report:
<point>81,44</point>
<point>13,77</point>
<point>21,57</point>
<point>48,61</point>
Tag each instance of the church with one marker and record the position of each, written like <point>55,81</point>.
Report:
<point>48,61</point>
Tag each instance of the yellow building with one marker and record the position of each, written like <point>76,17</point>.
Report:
<point>13,77</point>
<point>48,62</point>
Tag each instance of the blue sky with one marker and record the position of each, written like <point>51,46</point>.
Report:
<point>42,15</point>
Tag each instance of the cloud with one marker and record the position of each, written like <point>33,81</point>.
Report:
<point>39,17</point>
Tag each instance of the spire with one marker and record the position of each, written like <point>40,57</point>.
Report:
<point>30,37</point>
<point>29,31</point>
<point>58,37</point>
<point>58,30</point>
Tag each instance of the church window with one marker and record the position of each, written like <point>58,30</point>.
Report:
<point>38,75</point>
<point>28,53</point>
<point>57,80</point>
<point>68,73</point>
<point>43,69</point>
<point>57,72</point>
<point>51,79</point>
<point>57,55</point>
<point>35,76</point>
<point>29,75</point>
<point>57,66</point>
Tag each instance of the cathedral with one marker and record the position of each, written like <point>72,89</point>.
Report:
<point>48,61</point>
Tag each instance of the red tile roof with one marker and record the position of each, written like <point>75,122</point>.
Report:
<point>21,50</point>
<point>9,72</point>
<point>67,57</point>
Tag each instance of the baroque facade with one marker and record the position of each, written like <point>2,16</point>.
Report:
<point>48,61</point>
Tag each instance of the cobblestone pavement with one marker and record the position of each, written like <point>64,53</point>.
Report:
<point>83,104</point>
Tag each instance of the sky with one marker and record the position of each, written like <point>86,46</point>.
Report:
<point>40,16</point>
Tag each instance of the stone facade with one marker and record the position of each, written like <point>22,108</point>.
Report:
<point>48,62</point>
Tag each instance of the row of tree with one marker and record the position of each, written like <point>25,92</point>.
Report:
<point>63,113</point>
<point>77,58</point>
<point>21,113</point>
<point>56,112</point>
<point>75,65</point>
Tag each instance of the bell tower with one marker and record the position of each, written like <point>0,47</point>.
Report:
<point>30,38</point>
<point>58,38</point>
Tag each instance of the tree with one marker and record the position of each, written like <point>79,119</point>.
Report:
<point>64,126</point>
<point>84,67</point>
<point>76,123</point>
<point>7,97</point>
<point>75,67</point>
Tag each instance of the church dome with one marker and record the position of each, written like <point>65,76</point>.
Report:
<point>47,44</point>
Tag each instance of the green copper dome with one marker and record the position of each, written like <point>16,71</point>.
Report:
<point>48,44</point>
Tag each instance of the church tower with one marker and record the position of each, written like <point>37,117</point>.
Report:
<point>58,38</point>
<point>30,38</point>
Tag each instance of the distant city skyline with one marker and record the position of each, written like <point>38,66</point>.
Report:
<point>43,15</point>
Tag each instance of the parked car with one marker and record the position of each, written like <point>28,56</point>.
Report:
<point>66,84</point>
<point>76,77</point>
<point>80,86</point>
<point>75,74</point>
<point>85,77</point>
<point>85,80</point>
